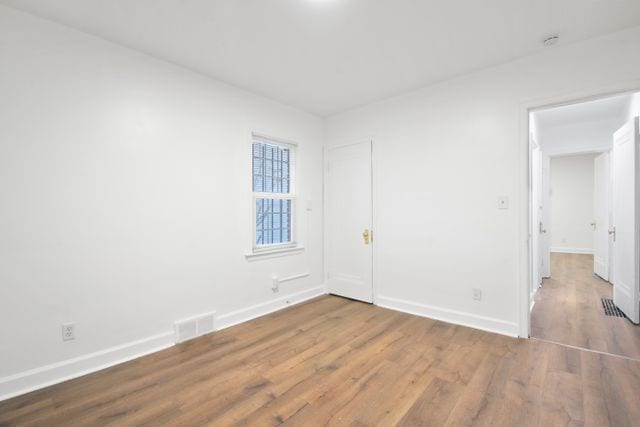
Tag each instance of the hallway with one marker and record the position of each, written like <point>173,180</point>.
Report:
<point>568,310</point>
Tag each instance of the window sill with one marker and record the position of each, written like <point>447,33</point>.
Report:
<point>273,253</point>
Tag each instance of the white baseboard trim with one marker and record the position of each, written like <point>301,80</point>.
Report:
<point>563,250</point>
<point>34,379</point>
<point>239,316</point>
<point>488,324</point>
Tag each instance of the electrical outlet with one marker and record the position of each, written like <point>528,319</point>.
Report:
<point>68,331</point>
<point>477,294</point>
<point>275,284</point>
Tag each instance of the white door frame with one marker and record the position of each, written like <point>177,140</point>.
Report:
<point>534,229</point>
<point>601,229</point>
<point>374,225</point>
<point>524,202</point>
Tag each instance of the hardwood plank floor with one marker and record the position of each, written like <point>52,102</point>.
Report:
<point>333,361</point>
<point>568,310</point>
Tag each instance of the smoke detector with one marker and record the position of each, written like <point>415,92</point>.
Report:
<point>551,40</point>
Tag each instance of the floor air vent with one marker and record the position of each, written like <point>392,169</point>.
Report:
<point>610,309</point>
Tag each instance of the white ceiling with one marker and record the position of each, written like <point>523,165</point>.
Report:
<point>326,56</point>
<point>613,109</point>
<point>583,127</point>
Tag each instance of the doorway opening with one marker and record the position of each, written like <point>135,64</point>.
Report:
<point>584,226</point>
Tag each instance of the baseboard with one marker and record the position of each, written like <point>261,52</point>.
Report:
<point>563,250</point>
<point>488,324</point>
<point>245,314</point>
<point>34,379</point>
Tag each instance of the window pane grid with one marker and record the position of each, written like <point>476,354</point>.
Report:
<point>272,174</point>
<point>271,168</point>
<point>273,221</point>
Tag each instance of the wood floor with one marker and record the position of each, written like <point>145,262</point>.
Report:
<point>339,362</point>
<point>568,310</point>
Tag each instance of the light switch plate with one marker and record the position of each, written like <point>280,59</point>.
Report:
<point>503,202</point>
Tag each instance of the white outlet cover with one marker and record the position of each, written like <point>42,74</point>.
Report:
<point>68,331</point>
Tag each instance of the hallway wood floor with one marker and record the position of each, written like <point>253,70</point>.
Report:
<point>568,310</point>
<point>340,362</point>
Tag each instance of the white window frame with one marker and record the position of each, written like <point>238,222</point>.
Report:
<point>291,195</point>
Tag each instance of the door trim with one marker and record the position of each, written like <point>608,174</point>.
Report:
<point>374,225</point>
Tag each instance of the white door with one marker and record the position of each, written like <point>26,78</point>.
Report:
<point>349,216</point>
<point>536,211</point>
<point>600,222</point>
<point>624,227</point>
<point>544,218</point>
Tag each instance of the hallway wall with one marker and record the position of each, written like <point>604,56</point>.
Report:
<point>572,204</point>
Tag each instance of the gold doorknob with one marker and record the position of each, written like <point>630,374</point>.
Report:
<point>366,236</point>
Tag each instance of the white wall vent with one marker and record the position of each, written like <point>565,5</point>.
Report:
<point>186,330</point>
<point>205,324</point>
<point>194,327</point>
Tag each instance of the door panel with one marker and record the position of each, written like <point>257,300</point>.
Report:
<point>545,218</point>
<point>349,217</point>
<point>536,192</point>
<point>601,180</point>
<point>624,231</point>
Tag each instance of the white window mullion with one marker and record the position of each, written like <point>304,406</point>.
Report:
<point>274,170</point>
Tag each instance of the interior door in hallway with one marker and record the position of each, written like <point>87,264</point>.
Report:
<point>624,227</point>
<point>600,223</point>
<point>540,214</point>
<point>545,217</point>
<point>349,212</point>
<point>536,213</point>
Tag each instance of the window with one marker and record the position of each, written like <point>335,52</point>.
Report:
<point>273,193</point>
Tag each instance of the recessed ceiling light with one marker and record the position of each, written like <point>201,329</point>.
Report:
<point>551,40</point>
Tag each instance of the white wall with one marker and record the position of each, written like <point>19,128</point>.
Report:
<point>125,201</point>
<point>634,106</point>
<point>592,136</point>
<point>572,211</point>
<point>442,157</point>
